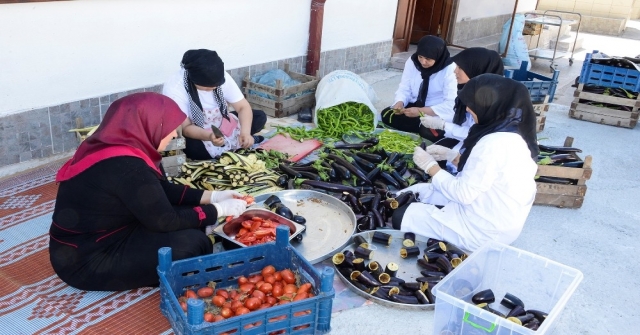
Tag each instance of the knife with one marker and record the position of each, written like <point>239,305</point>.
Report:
<point>216,132</point>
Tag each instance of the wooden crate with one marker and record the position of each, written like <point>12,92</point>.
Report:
<point>614,117</point>
<point>564,196</point>
<point>541,111</point>
<point>531,28</point>
<point>282,106</point>
<point>174,157</point>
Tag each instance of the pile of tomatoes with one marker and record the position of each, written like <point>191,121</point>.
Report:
<point>257,231</point>
<point>260,291</point>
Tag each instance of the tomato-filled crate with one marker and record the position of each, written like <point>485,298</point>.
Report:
<point>563,186</point>
<point>542,287</point>
<point>280,101</point>
<point>308,316</point>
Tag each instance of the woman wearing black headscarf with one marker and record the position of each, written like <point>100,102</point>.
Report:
<point>427,87</point>
<point>203,91</point>
<point>492,194</point>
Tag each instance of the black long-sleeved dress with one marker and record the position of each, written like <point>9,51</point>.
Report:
<point>110,220</point>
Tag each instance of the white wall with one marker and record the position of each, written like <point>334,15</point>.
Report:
<point>477,9</point>
<point>356,22</point>
<point>57,52</point>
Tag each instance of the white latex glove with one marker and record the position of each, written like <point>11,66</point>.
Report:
<point>230,207</point>
<point>441,153</point>
<point>424,190</point>
<point>433,122</point>
<point>422,159</point>
<point>217,196</point>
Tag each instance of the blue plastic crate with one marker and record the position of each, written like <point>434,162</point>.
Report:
<point>609,76</point>
<point>539,86</point>
<point>224,268</point>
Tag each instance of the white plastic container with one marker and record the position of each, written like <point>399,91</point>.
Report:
<point>542,284</point>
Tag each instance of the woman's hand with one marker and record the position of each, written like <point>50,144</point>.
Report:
<point>246,140</point>
<point>398,107</point>
<point>411,112</point>
<point>217,141</point>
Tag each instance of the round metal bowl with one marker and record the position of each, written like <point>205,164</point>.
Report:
<point>330,222</point>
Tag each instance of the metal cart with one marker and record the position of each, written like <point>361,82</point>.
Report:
<point>552,20</point>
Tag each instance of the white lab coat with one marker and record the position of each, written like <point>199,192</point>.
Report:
<point>443,89</point>
<point>489,199</point>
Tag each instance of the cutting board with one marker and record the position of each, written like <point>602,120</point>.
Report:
<point>295,149</point>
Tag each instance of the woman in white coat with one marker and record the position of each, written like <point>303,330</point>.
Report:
<point>492,194</point>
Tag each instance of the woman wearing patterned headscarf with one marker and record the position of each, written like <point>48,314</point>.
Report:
<point>114,208</point>
<point>492,194</point>
<point>427,87</point>
<point>203,91</point>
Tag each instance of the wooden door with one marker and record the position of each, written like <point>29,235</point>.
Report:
<point>431,17</point>
<point>404,23</point>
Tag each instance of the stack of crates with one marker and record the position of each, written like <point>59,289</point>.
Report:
<point>607,94</point>
<point>541,89</point>
<point>173,156</point>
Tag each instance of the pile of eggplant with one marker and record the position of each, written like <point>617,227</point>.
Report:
<point>363,176</point>
<point>381,281</point>
<point>559,156</point>
<point>517,313</point>
<point>274,204</point>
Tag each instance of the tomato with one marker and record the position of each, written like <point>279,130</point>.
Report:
<point>311,295</point>
<point>218,318</point>
<point>266,288</point>
<point>191,294</point>
<point>183,305</point>
<point>304,288</point>
<point>242,280</point>
<point>277,275</point>
<point>233,294</point>
<point>264,306</point>
<point>235,305</point>
<point>288,276</point>
<point>252,304</point>
<point>209,317</point>
<point>259,294</point>
<point>258,284</point>
<point>271,300</point>
<point>290,288</point>
<point>205,292</point>
<point>255,278</point>
<point>300,296</point>
<point>277,291</point>
<point>226,313</point>
<point>247,288</point>
<point>242,310</point>
<point>223,293</point>
<point>270,279</point>
<point>218,300</point>
<point>268,270</point>
<point>227,304</point>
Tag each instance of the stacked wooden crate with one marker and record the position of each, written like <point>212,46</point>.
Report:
<point>173,156</point>
<point>563,195</point>
<point>541,110</point>
<point>605,109</point>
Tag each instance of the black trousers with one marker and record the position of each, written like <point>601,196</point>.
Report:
<point>196,150</point>
<point>410,125</point>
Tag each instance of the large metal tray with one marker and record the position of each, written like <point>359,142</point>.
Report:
<point>408,270</point>
<point>330,222</point>
<point>229,230</point>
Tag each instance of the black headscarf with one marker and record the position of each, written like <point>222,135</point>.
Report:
<point>474,62</point>
<point>435,48</point>
<point>203,68</point>
<point>501,105</point>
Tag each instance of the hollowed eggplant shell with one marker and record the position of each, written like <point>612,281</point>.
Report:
<point>363,252</point>
<point>359,264</point>
<point>272,200</point>
<point>510,301</point>
<point>381,237</point>
<point>367,279</point>
<point>485,296</point>
<point>375,268</point>
<point>359,241</point>
<point>443,263</point>
<point>391,269</point>
<point>539,315</point>
<point>404,299</point>
<point>409,252</point>
<point>409,240</point>
<point>428,266</point>
<point>435,274</point>
<point>516,311</point>
<point>438,247</point>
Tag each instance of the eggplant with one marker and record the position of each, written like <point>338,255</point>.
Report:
<point>390,203</point>
<point>389,179</point>
<point>359,264</point>
<point>437,247</point>
<point>409,239</point>
<point>409,251</point>
<point>374,158</point>
<point>576,164</point>
<point>365,199</point>
<point>399,165</point>
<point>354,170</point>
<point>289,171</point>
<point>428,266</point>
<point>349,254</point>
<point>307,168</point>
<point>455,250</point>
<point>375,268</point>
<point>554,180</point>
<point>367,279</point>
<point>485,296</point>
<point>332,187</point>
<point>432,240</point>
<point>356,205</point>
<point>381,237</point>
<point>517,310</point>
<point>398,177</point>
<point>362,223</point>
<point>391,269</point>
<point>549,148</point>
<point>375,202</point>
<point>378,221</point>
<point>373,140</point>
<point>454,259</point>
<point>393,157</point>
<point>383,278</point>
<point>515,320</point>
<point>368,166</point>
<point>330,170</point>
<point>487,308</point>
<point>299,219</point>
<point>534,324</point>
<point>432,281</point>
<point>363,252</point>
<point>310,175</point>
<point>340,260</point>
<point>382,187</point>
<point>345,271</point>
<point>422,298</point>
<point>526,318</point>
<point>358,146</point>
<point>419,174</point>
<point>341,171</point>
<point>404,299</point>
<point>376,292</point>
<point>271,201</point>
<point>431,257</point>
<point>405,198</point>
<point>430,296</point>
<point>435,274</point>
<point>373,173</point>
<point>283,211</point>
<point>414,286</point>
<point>395,280</point>
<point>539,315</point>
<point>291,184</point>
<point>443,263</point>
<point>510,301</point>
<point>358,240</point>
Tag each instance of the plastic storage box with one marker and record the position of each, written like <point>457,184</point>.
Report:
<point>224,269</point>
<point>539,86</point>
<point>540,283</point>
<point>609,76</point>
